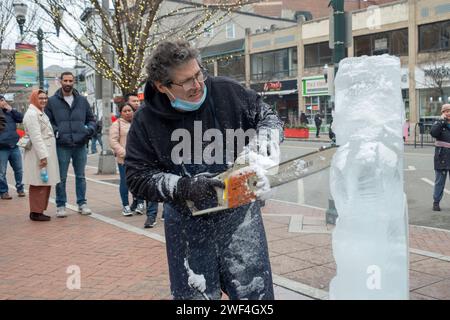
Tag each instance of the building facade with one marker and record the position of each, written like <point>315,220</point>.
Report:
<point>287,65</point>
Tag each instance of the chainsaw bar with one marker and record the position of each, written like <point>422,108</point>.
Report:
<point>240,184</point>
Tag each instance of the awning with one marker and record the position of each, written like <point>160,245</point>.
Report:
<point>279,93</point>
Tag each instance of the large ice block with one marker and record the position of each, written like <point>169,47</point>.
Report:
<point>370,240</point>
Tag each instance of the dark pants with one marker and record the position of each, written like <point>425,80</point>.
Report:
<point>317,130</point>
<point>228,248</point>
<point>38,198</point>
<point>152,208</point>
<point>123,188</point>
<point>439,185</point>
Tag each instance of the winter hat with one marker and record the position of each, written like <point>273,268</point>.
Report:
<point>2,97</point>
<point>445,107</point>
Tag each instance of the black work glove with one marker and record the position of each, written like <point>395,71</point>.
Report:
<point>200,190</point>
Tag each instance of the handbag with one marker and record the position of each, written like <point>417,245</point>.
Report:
<point>24,142</point>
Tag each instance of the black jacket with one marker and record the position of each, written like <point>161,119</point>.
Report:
<point>69,122</point>
<point>441,132</point>
<point>2,120</point>
<point>9,136</point>
<point>150,171</point>
<point>318,120</point>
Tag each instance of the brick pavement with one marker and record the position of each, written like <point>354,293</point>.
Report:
<point>120,264</point>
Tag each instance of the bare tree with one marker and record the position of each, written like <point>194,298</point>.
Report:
<point>7,48</point>
<point>132,29</point>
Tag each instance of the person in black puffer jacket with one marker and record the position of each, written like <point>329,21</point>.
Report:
<point>441,131</point>
<point>74,124</point>
<point>228,248</point>
<point>9,151</point>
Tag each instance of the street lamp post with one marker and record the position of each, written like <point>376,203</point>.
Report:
<point>339,42</point>
<point>20,10</point>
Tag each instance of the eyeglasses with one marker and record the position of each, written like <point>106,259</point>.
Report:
<point>189,84</point>
<point>43,98</point>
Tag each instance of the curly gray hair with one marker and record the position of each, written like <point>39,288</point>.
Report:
<point>167,56</point>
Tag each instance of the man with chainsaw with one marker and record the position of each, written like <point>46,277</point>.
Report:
<point>208,254</point>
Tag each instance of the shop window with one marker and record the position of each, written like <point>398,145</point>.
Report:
<point>400,42</point>
<point>311,56</point>
<point>273,65</point>
<point>434,36</point>
<point>325,53</point>
<point>393,42</point>
<point>232,67</point>
<point>317,54</point>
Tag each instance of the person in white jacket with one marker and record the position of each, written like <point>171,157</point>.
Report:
<point>42,154</point>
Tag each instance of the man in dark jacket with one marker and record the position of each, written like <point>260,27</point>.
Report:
<point>318,122</point>
<point>9,151</point>
<point>74,124</point>
<point>97,136</point>
<point>441,131</point>
<point>228,248</point>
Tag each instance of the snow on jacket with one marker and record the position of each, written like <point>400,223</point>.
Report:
<point>9,136</point>
<point>441,131</point>
<point>73,125</point>
<point>118,138</point>
<point>43,145</point>
<point>150,170</point>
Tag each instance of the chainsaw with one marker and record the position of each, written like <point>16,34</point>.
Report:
<point>240,183</point>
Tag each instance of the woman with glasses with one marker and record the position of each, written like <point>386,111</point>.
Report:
<point>41,169</point>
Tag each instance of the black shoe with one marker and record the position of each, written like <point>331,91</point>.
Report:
<point>436,206</point>
<point>39,217</point>
<point>150,222</point>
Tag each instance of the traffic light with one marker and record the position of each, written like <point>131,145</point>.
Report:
<point>27,85</point>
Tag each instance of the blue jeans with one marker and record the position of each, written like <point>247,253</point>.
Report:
<point>79,158</point>
<point>439,184</point>
<point>123,188</point>
<point>14,158</point>
<point>228,248</point>
<point>94,144</point>
<point>152,209</point>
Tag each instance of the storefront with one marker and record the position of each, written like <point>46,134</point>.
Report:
<point>430,96</point>
<point>316,98</point>
<point>282,96</point>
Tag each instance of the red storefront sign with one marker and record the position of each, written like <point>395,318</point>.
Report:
<point>272,86</point>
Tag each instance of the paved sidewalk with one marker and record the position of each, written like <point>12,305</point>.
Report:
<point>118,259</point>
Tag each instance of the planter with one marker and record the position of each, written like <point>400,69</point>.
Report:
<point>296,133</point>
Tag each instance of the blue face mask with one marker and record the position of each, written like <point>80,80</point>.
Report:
<point>187,105</point>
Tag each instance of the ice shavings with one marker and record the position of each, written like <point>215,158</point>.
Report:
<point>257,284</point>
<point>244,256</point>
<point>196,281</point>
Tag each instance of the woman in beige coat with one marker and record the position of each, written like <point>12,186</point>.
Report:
<point>118,140</point>
<point>41,155</point>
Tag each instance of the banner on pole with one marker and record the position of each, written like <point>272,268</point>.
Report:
<point>26,64</point>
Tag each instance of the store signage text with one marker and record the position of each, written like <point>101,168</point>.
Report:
<point>315,86</point>
<point>273,86</point>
